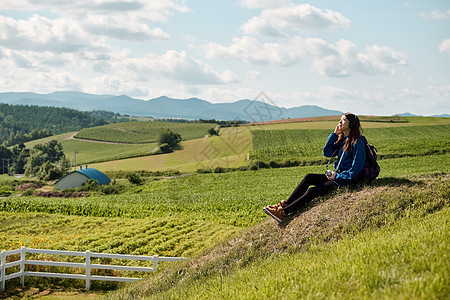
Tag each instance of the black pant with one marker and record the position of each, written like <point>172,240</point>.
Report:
<point>303,193</point>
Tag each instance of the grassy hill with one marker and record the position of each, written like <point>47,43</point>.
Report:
<point>387,240</point>
<point>142,132</point>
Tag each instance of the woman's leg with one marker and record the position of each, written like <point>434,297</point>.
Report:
<point>308,180</point>
<point>309,195</point>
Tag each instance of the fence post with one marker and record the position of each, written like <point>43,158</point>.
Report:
<point>155,262</point>
<point>88,270</point>
<point>2,271</point>
<point>22,265</point>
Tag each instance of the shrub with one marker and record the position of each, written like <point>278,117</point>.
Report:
<point>219,170</point>
<point>28,192</point>
<point>167,136</point>
<point>165,148</point>
<point>134,178</point>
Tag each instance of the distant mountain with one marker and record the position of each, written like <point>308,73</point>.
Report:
<point>165,107</point>
<point>442,116</point>
<point>406,114</point>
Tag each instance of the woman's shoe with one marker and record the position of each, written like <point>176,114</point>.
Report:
<point>281,204</point>
<point>276,213</point>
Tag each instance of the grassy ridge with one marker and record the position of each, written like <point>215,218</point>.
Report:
<point>143,132</point>
<point>263,261</point>
<point>307,144</point>
<point>407,260</point>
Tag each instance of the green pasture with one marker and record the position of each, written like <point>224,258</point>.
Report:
<point>143,132</point>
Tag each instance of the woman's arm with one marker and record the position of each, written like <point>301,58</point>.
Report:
<point>330,148</point>
<point>359,160</point>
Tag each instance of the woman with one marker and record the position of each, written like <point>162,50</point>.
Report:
<point>349,145</point>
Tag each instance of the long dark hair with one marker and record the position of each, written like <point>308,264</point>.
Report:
<point>355,132</point>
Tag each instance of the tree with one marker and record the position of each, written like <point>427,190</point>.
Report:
<point>6,159</point>
<point>212,132</point>
<point>46,161</point>
<point>21,154</point>
<point>167,136</point>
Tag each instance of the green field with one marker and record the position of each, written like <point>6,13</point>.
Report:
<point>302,144</point>
<point>143,132</point>
<point>363,242</point>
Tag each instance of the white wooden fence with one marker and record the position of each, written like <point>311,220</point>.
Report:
<point>87,265</point>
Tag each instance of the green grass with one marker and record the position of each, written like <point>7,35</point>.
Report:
<point>227,150</point>
<point>143,132</point>
<point>334,241</point>
<point>89,152</point>
<point>407,260</point>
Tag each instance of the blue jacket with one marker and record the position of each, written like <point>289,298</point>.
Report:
<point>352,162</point>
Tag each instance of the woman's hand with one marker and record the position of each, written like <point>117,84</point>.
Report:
<point>333,175</point>
<point>338,129</point>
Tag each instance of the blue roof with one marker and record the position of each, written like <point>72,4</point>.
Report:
<point>94,174</point>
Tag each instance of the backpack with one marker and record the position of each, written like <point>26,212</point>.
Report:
<point>371,168</point>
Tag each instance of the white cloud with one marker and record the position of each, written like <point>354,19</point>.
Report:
<point>40,34</point>
<point>253,75</point>
<point>113,27</point>
<point>152,11</point>
<point>335,60</point>
<point>228,95</point>
<point>265,3</point>
<point>444,47</point>
<point>179,66</point>
<point>249,50</point>
<point>96,19</point>
<point>303,17</point>
<point>436,14</point>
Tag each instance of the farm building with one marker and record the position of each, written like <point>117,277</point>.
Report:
<point>78,177</point>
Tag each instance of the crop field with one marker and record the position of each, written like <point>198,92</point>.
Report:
<point>144,236</point>
<point>142,132</point>
<point>300,144</point>
<point>89,152</point>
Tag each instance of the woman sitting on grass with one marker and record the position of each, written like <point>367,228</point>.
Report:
<point>347,142</point>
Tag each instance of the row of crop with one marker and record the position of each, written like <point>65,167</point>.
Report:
<point>161,236</point>
<point>143,132</point>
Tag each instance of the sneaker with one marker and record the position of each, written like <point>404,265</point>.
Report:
<point>281,204</point>
<point>276,213</point>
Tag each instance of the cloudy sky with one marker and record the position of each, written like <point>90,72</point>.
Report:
<point>368,57</point>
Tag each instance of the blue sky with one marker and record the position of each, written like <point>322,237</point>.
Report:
<point>367,57</point>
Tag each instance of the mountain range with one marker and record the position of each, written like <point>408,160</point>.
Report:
<point>164,107</point>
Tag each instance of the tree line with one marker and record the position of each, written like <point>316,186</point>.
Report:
<point>23,123</point>
<point>45,161</point>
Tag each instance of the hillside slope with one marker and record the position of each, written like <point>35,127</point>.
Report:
<point>344,215</point>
